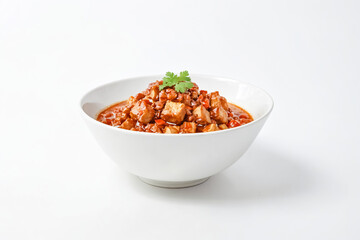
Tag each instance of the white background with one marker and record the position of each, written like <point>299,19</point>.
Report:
<point>299,180</point>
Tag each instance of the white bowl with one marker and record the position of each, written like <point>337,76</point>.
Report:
<point>176,160</point>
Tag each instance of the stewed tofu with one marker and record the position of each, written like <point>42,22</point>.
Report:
<point>202,115</point>
<point>173,112</point>
<point>143,111</point>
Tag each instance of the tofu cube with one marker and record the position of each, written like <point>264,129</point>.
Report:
<point>128,124</point>
<point>202,115</point>
<point>211,128</point>
<point>173,112</point>
<point>143,111</point>
<point>217,101</point>
<point>172,129</point>
<point>188,127</point>
<point>131,101</point>
<point>219,115</point>
<point>154,93</point>
<point>153,128</point>
<point>223,126</point>
<point>214,100</point>
<point>224,103</point>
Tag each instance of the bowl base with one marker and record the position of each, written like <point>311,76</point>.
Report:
<point>173,184</point>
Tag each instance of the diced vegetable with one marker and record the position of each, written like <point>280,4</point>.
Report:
<point>172,106</point>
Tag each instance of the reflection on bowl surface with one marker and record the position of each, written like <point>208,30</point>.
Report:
<point>176,160</point>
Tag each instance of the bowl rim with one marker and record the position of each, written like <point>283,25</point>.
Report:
<point>219,78</point>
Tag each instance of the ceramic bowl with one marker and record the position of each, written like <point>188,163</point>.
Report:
<point>176,160</point>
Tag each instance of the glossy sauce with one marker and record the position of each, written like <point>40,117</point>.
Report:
<point>108,116</point>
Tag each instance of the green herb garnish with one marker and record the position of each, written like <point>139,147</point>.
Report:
<point>181,82</point>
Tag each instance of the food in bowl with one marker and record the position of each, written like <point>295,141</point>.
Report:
<point>176,160</point>
<point>175,105</point>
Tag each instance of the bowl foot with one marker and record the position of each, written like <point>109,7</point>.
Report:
<point>173,184</point>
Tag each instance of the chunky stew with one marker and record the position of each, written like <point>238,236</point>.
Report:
<point>174,106</point>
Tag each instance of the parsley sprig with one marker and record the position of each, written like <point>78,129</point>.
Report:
<point>181,82</point>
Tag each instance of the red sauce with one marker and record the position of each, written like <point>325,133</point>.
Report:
<point>168,111</point>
